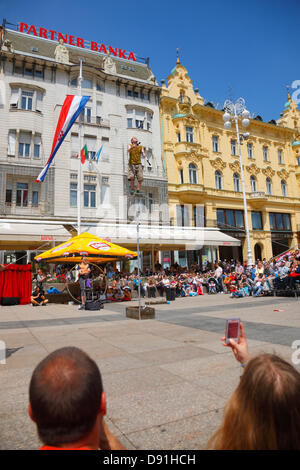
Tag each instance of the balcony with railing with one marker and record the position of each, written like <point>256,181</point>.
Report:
<point>94,121</point>
<point>258,196</point>
<point>13,208</point>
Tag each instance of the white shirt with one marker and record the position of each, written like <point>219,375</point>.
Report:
<point>218,272</point>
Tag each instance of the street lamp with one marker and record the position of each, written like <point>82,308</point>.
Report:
<point>233,113</point>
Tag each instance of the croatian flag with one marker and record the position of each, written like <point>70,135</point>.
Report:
<point>72,107</point>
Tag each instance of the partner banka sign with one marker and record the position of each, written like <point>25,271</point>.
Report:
<point>75,41</point>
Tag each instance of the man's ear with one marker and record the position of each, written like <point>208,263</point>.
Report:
<point>30,413</point>
<point>102,409</point>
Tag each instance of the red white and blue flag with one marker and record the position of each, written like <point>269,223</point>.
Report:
<point>72,107</point>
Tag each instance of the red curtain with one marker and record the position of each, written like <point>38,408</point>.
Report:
<point>15,284</point>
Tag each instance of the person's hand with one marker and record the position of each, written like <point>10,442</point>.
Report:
<point>239,349</point>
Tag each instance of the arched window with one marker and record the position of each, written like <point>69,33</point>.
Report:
<point>218,179</point>
<point>283,188</point>
<point>253,184</point>
<point>193,173</point>
<point>236,182</point>
<point>269,186</point>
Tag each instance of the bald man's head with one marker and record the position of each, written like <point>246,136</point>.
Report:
<point>65,395</point>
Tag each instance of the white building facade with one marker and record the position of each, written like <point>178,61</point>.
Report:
<point>36,74</point>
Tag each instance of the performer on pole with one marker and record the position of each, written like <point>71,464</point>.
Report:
<point>135,169</point>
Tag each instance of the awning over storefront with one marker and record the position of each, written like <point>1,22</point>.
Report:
<point>32,232</point>
<point>166,237</point>
<point>161,237</point>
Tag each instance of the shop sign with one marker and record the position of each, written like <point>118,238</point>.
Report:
<point>75,41</point>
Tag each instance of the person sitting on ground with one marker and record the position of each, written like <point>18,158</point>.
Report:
<point>219,278</point>
<point>294,275</point>
<point>127,293</point>
<point>67,403</point>
<point>38,298</point>
<point>258,287</point>
<point>263,413</point>
<point>259,269</point>
<point>109,295</point>
<point>40,279</point>
<point>118,295</point>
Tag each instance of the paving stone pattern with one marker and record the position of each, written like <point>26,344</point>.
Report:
<point>167,380</point>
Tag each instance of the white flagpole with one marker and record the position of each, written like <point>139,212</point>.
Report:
<point>79,188</point>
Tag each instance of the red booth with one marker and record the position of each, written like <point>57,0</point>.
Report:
<point>15,284</point>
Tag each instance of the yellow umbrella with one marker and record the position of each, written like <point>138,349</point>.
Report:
<point>95,249</point>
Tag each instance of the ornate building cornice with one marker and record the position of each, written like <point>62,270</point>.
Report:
<point>283,174</point>
<point>268,172</point>
<point>235,166</point>
<point>218,164</point>
<point>253,169</point>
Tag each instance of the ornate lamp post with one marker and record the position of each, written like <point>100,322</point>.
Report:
<point>235,112</point>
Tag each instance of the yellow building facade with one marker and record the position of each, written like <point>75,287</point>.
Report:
<point>204,177</point>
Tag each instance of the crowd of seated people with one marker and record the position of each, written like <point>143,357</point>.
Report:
<point>231,277</point>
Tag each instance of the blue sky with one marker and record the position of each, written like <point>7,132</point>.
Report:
<point>251,47</point>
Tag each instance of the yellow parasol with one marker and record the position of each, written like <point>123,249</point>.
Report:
<point>95,249</point>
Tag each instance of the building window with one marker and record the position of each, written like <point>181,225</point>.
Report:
<point>193,173</point>
<point>189,134</point>
<point>89,195</point>
<point>256,220</point>
<point>22,195</point>
<point>24,144</point>
<point>35,198</point>
<point>139,124</point>
<point>87,114</point>
<point>182,216</point>
<point>218,179</point>
<point>178,137</point>
<point>253,184</point>
<point>105,191</point>
<point>198,216</point>
<point>139,118</point>
<point>129,93</point>
<point>12,136</point>
<point>73,194</point>
<point>236,182</point>
<point>150,202</point>
<point>279,221</point>
<point>37,146</point>
<point>265,153</point>
<point>269,186</point>
<point>283,188</point>
<point>250,150</point>
<point>91,143</point>
<point>230,218</point>
<point>298,160</point>
<point>280,157</point>
<point>215,142</point>
<point>233,147</point>
<point>181,176</point>
<point>26,100</point>
<point>149,158</point>
<point>86,83</point>
<point>8,194</point>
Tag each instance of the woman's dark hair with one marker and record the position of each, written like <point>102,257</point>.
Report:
<point>65,394</point>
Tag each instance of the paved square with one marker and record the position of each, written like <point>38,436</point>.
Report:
<point>167,380</point>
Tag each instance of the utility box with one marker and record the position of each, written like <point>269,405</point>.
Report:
<point>147,313</point>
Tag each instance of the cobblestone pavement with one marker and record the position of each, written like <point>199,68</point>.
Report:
<point>167,380</point>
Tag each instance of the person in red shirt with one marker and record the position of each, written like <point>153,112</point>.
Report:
<point>67,403</point>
